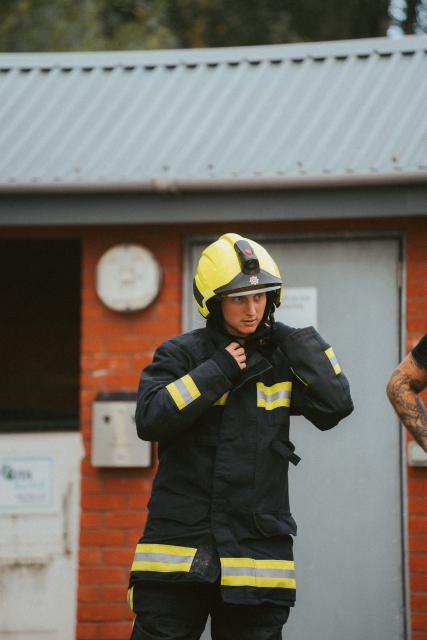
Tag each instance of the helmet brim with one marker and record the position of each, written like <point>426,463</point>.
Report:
<point>249,291</point>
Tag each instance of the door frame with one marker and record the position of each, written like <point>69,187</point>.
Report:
<point>337,236</point>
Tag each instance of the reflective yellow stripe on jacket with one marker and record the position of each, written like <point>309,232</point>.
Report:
<point>162,558</point>
<point>334,362</point>
<point>222,400</point>
<point>130,598</point>
<point>248,572</point>
<point>278,395</point>
<point>183,391</point>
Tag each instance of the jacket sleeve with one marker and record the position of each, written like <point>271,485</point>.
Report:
<point>321,392</point>
<point>172,395</point>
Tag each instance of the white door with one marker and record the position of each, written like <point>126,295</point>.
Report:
<point>346,491</point>
<point>39,516</point>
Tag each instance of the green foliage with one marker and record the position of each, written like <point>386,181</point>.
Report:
<point>70,25</point>
<point>43,25</point>
<point>245,22</point>
<point>135,24</point>
<point>334,19</point>
<point>91,25</point>
<point>216,23</point>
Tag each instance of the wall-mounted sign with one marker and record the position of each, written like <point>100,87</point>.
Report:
<point>128,277</point>
<point>26,484</point>
<point>299,307</point>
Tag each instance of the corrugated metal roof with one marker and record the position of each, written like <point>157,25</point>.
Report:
<point>343,112</point>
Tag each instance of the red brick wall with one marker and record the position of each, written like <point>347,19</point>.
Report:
<point>416,308</point>
<point>114,349</point>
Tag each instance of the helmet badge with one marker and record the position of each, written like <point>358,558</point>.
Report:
<point>254,280</point>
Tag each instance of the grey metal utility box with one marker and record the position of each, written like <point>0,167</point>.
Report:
<point>114,439</point>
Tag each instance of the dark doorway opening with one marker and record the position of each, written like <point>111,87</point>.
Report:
<point>40,334</point>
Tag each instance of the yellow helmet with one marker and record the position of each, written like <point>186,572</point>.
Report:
<point>234,265</point>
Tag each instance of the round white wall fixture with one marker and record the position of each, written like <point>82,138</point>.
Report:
<point>128,277</point>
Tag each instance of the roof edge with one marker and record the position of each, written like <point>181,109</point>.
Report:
<point>165,185</point>
<point>256,53</point>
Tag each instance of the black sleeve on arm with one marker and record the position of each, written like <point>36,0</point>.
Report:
<point>173,394</point>
<point>419,352</point>
<point>321,392</point>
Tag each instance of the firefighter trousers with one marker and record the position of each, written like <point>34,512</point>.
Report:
<point>165,611</point>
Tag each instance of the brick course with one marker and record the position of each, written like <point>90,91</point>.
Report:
<point>115,347</point>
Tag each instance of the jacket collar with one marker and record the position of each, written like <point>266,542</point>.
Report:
<point>256,365</point>
<point>256,362</point>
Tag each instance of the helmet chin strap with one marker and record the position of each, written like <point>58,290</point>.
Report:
<point>269,310</point>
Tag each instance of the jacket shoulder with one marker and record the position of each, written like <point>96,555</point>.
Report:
<point>191,342</point>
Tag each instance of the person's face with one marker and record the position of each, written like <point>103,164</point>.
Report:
<point>242,314</point>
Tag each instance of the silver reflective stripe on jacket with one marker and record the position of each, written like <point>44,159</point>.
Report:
<point>278,395</point>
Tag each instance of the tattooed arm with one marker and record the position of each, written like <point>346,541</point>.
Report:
<point>406,382</point>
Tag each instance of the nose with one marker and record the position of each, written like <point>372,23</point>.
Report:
<point>250,306</point>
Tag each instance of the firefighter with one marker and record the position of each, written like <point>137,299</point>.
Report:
<point>406,382</point>
<point>218,539</point>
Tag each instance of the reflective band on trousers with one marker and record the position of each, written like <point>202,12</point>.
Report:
<point>248,572</point>
<point>162,558</point>
<point>278,395</point>
<point>334,362</point>
<point>183,391</point>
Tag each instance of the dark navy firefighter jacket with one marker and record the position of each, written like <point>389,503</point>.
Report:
<point>219,507</point>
